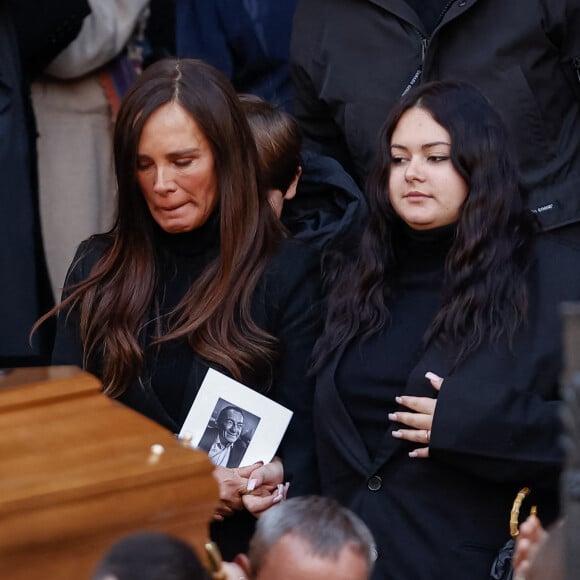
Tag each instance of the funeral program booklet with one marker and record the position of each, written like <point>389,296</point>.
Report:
<point>234,424</point>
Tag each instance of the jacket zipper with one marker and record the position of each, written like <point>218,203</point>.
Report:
<point>444,11</point>
<point>417,75</point>
<point>424,46</point>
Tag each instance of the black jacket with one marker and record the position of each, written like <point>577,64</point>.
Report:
<point>32,32</point>
<point>248,41</point>
<point>496,429</point>
<point>328,203</point>
<point>351,60</point>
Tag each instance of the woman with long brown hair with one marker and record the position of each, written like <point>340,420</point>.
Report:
<point>195,273</point>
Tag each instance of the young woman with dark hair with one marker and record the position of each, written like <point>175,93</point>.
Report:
<point>196,272</point>
<point>437,371</point>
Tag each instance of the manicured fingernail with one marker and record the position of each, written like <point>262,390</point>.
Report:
<point>398,399</point>
<point>432,376</point>
<point>279,493</point>
<point>393,416</point>
<point>412,454</point>
<point>396,434</point>
<point>251,485</point>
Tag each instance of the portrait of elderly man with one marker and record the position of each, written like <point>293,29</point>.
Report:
<point>223,442</point>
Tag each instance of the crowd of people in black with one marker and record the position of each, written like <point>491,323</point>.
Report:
<point>368,212</point>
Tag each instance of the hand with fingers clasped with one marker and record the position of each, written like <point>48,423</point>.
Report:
<point>265,487</point>
<point>233,483</point>
<point>419,418</point>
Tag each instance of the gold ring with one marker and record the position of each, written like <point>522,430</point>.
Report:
<point>427,435</point>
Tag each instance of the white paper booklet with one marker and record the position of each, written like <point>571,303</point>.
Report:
<point>234,424</point>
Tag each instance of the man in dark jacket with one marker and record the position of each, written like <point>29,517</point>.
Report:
<point>351,59</point>
<point>32,33</point>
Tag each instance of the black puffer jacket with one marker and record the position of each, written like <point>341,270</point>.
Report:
<point>351,59</point>
<point>328,204</point>
<point>32,33</point>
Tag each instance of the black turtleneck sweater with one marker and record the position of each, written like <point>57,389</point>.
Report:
<point>181,258</point>
<point>372,373</point>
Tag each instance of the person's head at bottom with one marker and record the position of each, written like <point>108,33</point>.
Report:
<point>150,556</point>
<point>309,537</point>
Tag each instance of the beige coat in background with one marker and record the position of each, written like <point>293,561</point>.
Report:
<point>75,123</point>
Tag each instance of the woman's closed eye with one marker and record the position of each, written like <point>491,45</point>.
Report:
<point>183,162</point>
<point>143,164</point>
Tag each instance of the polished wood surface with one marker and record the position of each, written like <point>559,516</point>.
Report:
<point>77,472</point>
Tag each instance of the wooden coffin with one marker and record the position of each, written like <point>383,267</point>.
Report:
<point>77,472</point>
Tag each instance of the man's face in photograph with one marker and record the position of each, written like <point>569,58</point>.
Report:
<point>231,426</point>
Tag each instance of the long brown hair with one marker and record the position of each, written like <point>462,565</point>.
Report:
<point>116,299</point>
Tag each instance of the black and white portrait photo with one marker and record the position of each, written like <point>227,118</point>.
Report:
<point>228,434</point>
<point>235,425</point>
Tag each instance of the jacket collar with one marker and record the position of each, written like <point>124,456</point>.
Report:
<point>402,10</point>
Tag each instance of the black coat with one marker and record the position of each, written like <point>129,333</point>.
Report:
<point>32,32</point>
<point>328,203</point>
<point>247,41</point>
<point>286,303</point>
<point>352,59</point>
<point>496,429</point>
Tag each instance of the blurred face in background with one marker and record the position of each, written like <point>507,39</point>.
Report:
<point>176,170</point>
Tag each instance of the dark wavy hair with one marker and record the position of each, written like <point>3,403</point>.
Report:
<point>119,295</point>
<point>485,296</point>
